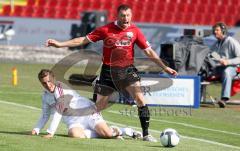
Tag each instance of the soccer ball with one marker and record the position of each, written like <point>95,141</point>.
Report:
<point>169,137</point>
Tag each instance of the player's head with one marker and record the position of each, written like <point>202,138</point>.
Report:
<point>219,30</point>
<point>124,16</point>
<point>46,77</point>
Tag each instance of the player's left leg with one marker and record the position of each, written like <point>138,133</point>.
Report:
<point>76,132</point>
<point>143,112</point>
<point>105,131</point>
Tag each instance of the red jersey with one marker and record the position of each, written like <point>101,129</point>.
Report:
<point>118,44</point>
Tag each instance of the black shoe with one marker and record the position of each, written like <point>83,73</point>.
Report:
<point>222,104</point>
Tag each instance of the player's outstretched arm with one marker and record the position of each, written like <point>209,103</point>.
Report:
<point>69,43</point>
<point>154,57</point>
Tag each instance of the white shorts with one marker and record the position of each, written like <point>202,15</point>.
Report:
<point>84,122</point>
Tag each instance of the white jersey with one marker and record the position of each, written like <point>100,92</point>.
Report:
<point>49,101</point>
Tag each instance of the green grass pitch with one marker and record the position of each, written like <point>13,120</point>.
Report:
<point>203,129</point>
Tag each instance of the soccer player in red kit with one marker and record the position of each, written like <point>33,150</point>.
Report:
<point>118,72</point>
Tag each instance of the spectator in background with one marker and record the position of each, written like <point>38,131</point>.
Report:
<point>226,52</point>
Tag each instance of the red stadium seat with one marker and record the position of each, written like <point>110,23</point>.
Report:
<point>230,21</point>
<point>168,18</point>
<point>6,10</point>
<point>28,11</point>
<point>209,19</point>
<point>61,13</point>
<point>182,7</point>
<point>18,10</point>
<point>212,9</point>
<point>50,13</point>
<point>235,2</point>
<point>42,3</point>
<point>202,8</point>
<point>86,5</point>
<point>226,2</point>
<point>62,3</point>
<point>222,9</point>
<point>219,18</point>
<point>73,14</point>
<point>39,12</point>
<point>96,5</point>
<point>171,7</point>
<point>161,7</point>
<point>31,2</point>
<point>233,10</point>
<point>188,18</point>
<point>150,7</point>
<point>191,8</point>
<point>74,4</point>
<point>148,16</point>
<point>198,18</point>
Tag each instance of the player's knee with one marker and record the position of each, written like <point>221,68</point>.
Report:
<point>139,100</point>
<point>74,133</point>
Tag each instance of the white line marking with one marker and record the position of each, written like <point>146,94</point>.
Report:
<point>186,125</point>
<point>155,131</point>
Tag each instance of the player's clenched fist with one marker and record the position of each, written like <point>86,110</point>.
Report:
<point>52,42</point>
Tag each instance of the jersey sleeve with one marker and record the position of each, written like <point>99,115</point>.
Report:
<point>46,111</point>
<point>96,35</point>
<point>54,123</point>
<point>141,40</point>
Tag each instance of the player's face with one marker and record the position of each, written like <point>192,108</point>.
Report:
<point>124,18</point>
<point>218,33</point>
<point>48,83</point>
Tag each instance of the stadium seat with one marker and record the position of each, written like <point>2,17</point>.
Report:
<point>201,8</point>
<point>73,14</point>
<point>31,2</point>
<point>61,13</point>
<point>28,11</point>
<point>18,10</point>
<point>86,5</point>
<point>188,18</point>
<point>6,10</point>
<point>62,3</point>
<point>39,11</point>
<point>233,10</point>
<point>50,13</point>
<point>168,18</point>
<point>42,3</point>
<point>182,7</point>
<point>198,18</point>
<point>73,4</point>
<point>191,8</point>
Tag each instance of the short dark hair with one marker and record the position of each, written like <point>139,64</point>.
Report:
<point>123,7</point>
<point>45,72</point>
<point>223,27</point>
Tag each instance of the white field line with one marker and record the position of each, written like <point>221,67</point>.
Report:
<point>186,125</point>
<point>154,131</point>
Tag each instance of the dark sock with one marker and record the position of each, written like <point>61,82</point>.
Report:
<point>144,116</point>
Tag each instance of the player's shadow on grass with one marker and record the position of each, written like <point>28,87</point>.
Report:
<point>15,133</point>
<point>28,133</point>
<point>156,146</point>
